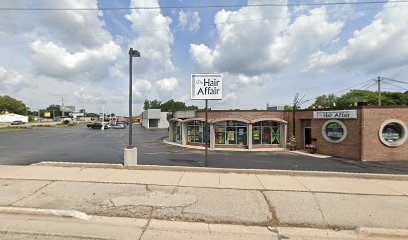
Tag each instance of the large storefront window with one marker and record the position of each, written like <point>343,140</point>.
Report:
<point>195,132</point>
<point>265,132</point>
<point>231,132</point>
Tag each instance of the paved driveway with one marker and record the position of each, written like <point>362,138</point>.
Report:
<point>79,144</point>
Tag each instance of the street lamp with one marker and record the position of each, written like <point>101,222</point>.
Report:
<point>132,53</point>
<point>130,150</point>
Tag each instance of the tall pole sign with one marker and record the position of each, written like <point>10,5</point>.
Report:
<point>206,87</point>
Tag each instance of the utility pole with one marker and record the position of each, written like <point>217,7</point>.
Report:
<point>379,90</point>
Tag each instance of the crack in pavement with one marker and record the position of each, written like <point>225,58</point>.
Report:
<point>36,191</point>
<point>177,185</point>
<point>148,223</point>
<point>318,205</point>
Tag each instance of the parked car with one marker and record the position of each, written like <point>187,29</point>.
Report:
<point>119,126</point>
<point>95,125</point>
<point>17,122</point>
<point>107,126</point>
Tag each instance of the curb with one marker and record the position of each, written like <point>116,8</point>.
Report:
<point>80,165</point>
<point>382,233</point>
<point>229,170</point>
<point>166,141</point>
<point>45,212</point>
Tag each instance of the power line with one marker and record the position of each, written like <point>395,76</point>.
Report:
<point>393,80</point>
<point>210,24</point>
<point>362,83</point>
<point>406,89</point>
<point>201,6</point>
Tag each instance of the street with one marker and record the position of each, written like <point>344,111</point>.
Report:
<point>79,144</point>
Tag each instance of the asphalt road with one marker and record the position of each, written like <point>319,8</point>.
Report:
<point>79,144</point>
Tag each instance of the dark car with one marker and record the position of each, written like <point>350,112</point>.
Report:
<point>94,125</point>
<point>18,122</point>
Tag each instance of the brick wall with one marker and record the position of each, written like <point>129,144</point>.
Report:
<point>362,141</point>
<point>372,147</point>
<point>247,115</point>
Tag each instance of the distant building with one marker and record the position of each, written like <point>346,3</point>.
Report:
<point>154,118</point>
<point>11,117</point>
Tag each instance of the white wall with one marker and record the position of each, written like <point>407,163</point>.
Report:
<point>161,116</point>
<point>163,123</point>
<point>10,117</point>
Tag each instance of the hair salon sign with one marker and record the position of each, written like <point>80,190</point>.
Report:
<point>340,114</point>
<point>206,86</point>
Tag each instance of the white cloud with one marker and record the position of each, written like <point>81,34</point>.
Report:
<point>13,81</point>
<point>189,20</point>
<point>14,22</point>
<point>250,48</point>
<point>89,65</point>
<point>68,24</point>
<point>90,95</point>
<point>245,81</point>
<point>378,46</point>
<point>141,90</point>
<point>154,36</point>
<point>168,84</point>
<point>203,57</point>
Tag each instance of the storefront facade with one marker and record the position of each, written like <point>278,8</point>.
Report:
<point>363,133</point>
<point>242,129</point>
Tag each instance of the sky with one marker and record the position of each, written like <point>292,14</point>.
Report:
<point>265,53</point>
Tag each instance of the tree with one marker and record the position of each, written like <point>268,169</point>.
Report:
<point>12,105</point>
<point>325,101</point>
<point>55,111</point>
<point>354,96</point>
<point>146,104</point>
<point>155,104</point>
<point>169,106</point>
<point>288,107</point>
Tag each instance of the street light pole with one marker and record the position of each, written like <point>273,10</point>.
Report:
<point>130,157</point>
<point>132,53</point>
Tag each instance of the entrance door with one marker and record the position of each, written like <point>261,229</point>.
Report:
<point>308,135</point>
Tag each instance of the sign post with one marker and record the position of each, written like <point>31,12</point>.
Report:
<point>206,87</point>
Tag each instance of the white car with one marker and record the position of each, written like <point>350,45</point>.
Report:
<point>119,126</point>
<point>107,126</point>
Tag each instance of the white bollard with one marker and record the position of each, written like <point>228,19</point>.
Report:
<point>130,157</point>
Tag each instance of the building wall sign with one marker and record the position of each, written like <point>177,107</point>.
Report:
<point>340,114</point>
<point>334,131</point>
<point>206,86</point>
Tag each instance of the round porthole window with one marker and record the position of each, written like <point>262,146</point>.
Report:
<point>393,133</point>
<point>334,131</point>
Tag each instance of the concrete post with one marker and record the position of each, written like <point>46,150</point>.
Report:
<point>212,137</point>
<point>171,131</point>
<point>249,135</point>
<point>283,136</point>
<point>183,133</point>
<point>130,156</point>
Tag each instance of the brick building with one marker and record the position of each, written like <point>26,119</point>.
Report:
<point>361,133</point>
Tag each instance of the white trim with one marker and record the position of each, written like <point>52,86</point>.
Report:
<point>400,141</point>
<point>323,131</point>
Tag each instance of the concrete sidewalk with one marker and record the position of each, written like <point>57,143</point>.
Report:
<point>267,200</point>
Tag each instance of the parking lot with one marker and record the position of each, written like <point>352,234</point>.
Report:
<point>80,144</point>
